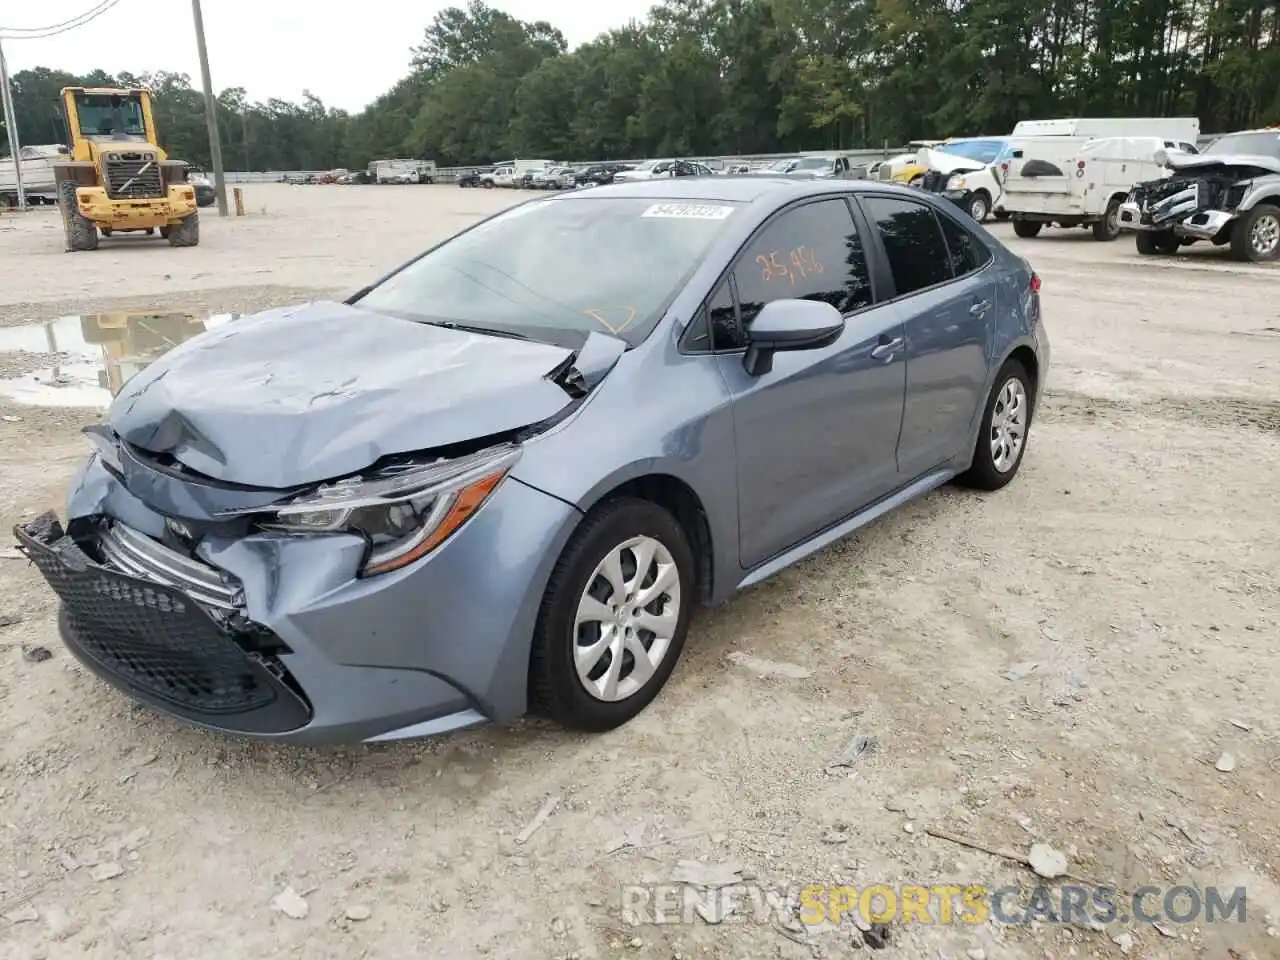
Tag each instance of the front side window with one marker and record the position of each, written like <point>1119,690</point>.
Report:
<point>913,242</point>
<point>557,270</point>
<point>812,252</point>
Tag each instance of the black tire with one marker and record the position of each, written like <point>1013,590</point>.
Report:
<point>980,206</point>
<point>1155,242</point>
<point>555,689</point>
<point>1254,235</point>
<point>186,232</point>
<point>1027,229</point>
<point>983,473</point>
<point>1108,228</point>
<point>488,184</point>
<point>79,232</point>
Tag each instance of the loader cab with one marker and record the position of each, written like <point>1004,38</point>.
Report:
<point>105,116</point>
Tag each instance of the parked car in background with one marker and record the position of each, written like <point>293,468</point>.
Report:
<point>556,178</point>
<point>462,532</point>
<point>643,171</point>
<point>205,192</point>
<point>471,177</point>
<point>1227,195</point>
<point>820,167</point>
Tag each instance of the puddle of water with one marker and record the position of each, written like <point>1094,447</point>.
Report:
<point>93,356</point>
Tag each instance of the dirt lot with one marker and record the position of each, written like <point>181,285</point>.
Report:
<point>1133,563</point>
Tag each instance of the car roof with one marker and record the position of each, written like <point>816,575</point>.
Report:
<point>737,189</point>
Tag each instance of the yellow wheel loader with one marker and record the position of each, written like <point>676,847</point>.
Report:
<point>116,179</point>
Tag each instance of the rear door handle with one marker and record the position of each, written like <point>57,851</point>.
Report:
<point>980,308</point>
<point>885,349</point>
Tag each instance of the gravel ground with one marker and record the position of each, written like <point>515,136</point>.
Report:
<point>1064,662</point>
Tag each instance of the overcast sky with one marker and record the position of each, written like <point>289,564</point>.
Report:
<point>345,53</point>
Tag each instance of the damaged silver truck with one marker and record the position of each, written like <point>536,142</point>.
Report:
<point>1229,195</point>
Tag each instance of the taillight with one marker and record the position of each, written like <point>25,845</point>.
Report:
<point>1004,167</point>
<point>1035,282</point>
<point>1079,164</point>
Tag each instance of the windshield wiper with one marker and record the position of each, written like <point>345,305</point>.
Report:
<point>476,328</point>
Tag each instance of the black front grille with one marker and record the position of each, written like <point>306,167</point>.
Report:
<point>158,644</point>
<point>935,181</point>
<point>133,176</point>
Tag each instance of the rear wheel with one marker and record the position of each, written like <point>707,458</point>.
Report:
<point>1108,228</point>
<point>1255,237</point>
<point>79,231</point>
<point>186,233</point>
<point>1027,228</point>
<point>1155,242</point>
<point>614,617</point>
<point>1005,423</point>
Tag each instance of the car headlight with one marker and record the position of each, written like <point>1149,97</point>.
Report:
<point>955,183</point>
<point>403,512</point>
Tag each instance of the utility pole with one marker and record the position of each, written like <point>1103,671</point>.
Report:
<point>210,113</point>
<point>11,127</point>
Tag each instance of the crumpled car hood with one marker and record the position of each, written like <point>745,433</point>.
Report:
<point>1205,163</point>
<point>305,394</point>
<point>945,162</point>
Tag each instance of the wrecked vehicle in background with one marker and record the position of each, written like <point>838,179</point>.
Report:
<point>1228,195</point>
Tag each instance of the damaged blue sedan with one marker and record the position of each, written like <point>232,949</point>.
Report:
<point>500,479</point>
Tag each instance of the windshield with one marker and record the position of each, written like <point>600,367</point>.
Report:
<point>812,163</point>
<point>104,115</point>
<point>783,165</point>
<point>556,270</point>
<point>983,151</point>
<point>1257,144</point>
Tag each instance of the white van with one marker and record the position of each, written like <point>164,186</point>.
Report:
<point>1087,188</point>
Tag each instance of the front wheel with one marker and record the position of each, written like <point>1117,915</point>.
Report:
<point>614,617</point>
<point>1002,439</point>
<point>979,206</point>
<point>1153,242</point>
<point>78,231</point>
<point>1255,236</point>
<point>186,232</point>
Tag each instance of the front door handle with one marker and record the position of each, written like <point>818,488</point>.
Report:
<point>979,308</point>
<point>886,349</point>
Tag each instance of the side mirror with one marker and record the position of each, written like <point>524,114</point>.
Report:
<point>789,325</point>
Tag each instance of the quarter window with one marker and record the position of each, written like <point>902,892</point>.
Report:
<point>913,243</point>
<point>965,251</point>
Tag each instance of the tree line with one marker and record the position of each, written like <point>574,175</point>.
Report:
<point>741,77</point>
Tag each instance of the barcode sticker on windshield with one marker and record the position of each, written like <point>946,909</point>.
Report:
<point>688,211</point>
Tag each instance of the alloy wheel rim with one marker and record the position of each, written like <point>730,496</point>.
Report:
<point>626,619</point>
<point>1265,235</point>
<point>978,209</point>
<point>1008,425</point>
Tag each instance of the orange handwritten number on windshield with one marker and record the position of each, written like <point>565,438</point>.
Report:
<point>796,263</point>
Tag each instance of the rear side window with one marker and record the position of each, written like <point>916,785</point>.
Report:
<point>965,251</point>
<point>913,244</point>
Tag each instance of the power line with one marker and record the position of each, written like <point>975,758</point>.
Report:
<point>53,30</point>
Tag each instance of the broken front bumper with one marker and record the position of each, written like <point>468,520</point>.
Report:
<point>277,638</point>
<point>1180,213</point>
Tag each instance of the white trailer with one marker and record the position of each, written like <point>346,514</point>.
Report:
<point>402,171</point>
